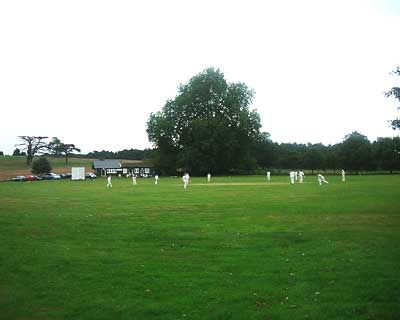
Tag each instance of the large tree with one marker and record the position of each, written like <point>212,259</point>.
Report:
<point>32,145</point>
<point>395,92</point>
<point>59,148</point>
<point>386,153</point>
<point>291,155</point>
<point>265,151</point>
<point>355,152</point>
<point>208,127</point>
<point>314,157</point>
<point>55,146</point>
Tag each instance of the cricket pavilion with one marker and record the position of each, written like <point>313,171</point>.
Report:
<point>123,167</point>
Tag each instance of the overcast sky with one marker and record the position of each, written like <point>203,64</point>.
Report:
<point>91,72</point>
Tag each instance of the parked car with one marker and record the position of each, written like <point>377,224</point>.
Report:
<point>66,175</point>
<point>51,176</point>
<point>19,178</point>
<point>90,175</point>
<point>32,177</point>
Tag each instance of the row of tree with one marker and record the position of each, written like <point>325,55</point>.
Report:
<point>208,127</point>
<point>34,145</point>
<point>131,154</point>
<point>355,153</point>
<point>58,149</point>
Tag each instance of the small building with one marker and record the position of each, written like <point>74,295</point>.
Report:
<point>118,167</point>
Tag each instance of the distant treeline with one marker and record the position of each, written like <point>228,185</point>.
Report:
<point>131,154</point>
<point>354,154</point>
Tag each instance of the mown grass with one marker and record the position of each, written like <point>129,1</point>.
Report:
<point>237,248</point>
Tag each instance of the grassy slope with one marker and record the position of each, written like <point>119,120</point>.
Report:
<point>77,250</point>
<point>11,166</point>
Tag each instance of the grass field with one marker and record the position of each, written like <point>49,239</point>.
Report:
<point>237,248</point>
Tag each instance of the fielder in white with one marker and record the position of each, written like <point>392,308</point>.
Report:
<point>185,180</point>
<point>301,176</point>
<point>109,184</point>
<point>343,176</point>
<point>268,176</point>
<point>292,175</point>
<point>321,179</point>
<point>295,175</point>
<point>134,182</point>
<point>156,179</point>
<point>209,177</point>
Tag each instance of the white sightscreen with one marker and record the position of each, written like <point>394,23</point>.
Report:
<point>78,173</point>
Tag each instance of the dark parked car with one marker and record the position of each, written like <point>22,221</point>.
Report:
<point>66,175</point>
<point>51,176</point>
<point>19,178</point>
<point>90,175</point>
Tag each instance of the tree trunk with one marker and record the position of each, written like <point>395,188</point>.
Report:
<point>29,159</point>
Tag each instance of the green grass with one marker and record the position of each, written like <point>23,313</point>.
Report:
<point>237,248</point>
<point>19,162</point>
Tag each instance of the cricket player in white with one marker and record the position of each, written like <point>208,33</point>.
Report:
<point>301,176</point>
<point>185,180</point>
<point>291,175</point>
<point>109,184</point>
<point>209,177</point>
<point>343,176</point>
<point>268,176</point>
<point>321,179</point>
<point>295,175</point>
<point>134,182</point>
<point>156,179</point>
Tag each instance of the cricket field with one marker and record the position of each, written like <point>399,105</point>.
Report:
<point>234,248</point>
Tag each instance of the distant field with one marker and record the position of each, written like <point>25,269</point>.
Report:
<point>11,166</point>
<point>237,248</point>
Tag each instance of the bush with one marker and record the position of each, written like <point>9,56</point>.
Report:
<point>41,165</point>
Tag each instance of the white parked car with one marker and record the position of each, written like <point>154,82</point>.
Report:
<point>90,175</point>
<point>51,176</point>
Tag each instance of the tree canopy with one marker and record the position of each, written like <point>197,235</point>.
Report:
<point>395,92</point>
<point>32,145</point>
<point>17,152</point>
<point>386,153</point>
<point>356,151</point>
<point>41,165</point>
<point>59,148</point>
<point>208,127</point>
